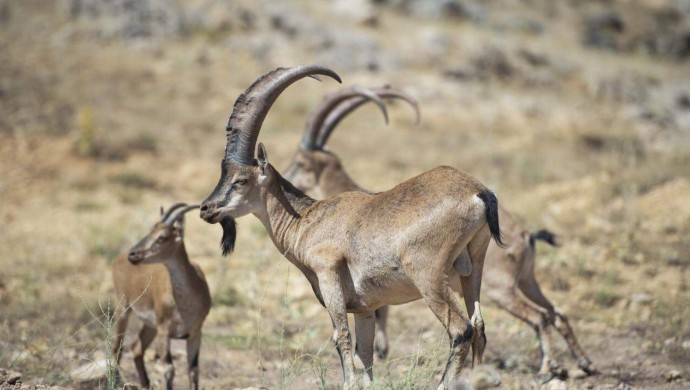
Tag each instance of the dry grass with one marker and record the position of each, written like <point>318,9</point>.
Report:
<point>96,134</point>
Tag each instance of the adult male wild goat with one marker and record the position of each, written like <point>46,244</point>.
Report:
<point>362,251</point>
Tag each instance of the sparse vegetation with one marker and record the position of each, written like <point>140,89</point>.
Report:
<point>98,128</point>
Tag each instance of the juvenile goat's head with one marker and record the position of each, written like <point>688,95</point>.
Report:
<point>245,181</point>
<point>312,160</point>
<point>164,238</point>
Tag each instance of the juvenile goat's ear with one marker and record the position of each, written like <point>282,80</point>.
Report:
<point>262,157</point>
<point>180,227</point>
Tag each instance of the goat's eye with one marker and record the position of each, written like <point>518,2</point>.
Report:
<point>239,182</point>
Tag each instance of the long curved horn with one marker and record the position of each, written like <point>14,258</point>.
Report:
<point>180,213</point>
<point>329,103</point>
<point>348,106</point>
<point>251,107</point>
<point>172,208</point>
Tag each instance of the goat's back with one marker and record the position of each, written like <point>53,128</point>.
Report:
<point>438,208</point>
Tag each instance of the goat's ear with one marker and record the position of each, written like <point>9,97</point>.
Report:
<point>262,157</point>
<point>180,229</point>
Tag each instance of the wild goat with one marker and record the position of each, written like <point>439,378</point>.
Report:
<point>316,168</point>
<point>509,279</point>
<point>166,291</point>
<point>361,251</point>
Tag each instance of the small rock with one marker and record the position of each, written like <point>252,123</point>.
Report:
<point>686,344</point>
<point>514,361</point>
<point>13,377</point>
<point>556,384</point>
<point>673,375</point>
<point>92,371</point>
<point>485,377</point>
<point>360,11</point>
<point>639,300</point>
<point>579,374</point>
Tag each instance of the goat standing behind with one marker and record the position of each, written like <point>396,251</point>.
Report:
<point>166,291</point>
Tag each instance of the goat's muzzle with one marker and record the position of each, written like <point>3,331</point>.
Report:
<point>135,257</point>
<point>209,212</point>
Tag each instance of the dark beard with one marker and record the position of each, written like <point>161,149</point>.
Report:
<point>227,243</point>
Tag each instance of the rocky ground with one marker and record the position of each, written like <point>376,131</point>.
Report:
<point>577,114</point>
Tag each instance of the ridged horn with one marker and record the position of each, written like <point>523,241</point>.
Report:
<point>172,208</point>
<point>251,107</point>
<point>180,213</point>
<point>345,108</point>
<point>329,103</point>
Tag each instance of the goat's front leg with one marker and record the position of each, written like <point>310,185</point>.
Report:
<point>364,348</point>
<point>193,347</point>
<point>164,363</point>
<point>334,300</point>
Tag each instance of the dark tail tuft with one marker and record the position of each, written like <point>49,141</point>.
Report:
<point>543,235</point>
<point>227,243</point>
<point>491,207</point>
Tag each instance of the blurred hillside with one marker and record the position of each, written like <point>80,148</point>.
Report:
<point>577,114</point>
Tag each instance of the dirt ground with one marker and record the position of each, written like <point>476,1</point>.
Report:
<point>577,114</point>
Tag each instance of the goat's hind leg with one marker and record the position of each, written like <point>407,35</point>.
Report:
<point>530,288</point>
<point>471,289</point>
<point>381,339</point>
<point>509,300</point>
<point>445,304</point>
<point>364,347</point>
<point>165,361</point>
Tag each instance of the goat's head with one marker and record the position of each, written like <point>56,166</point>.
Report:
<point>245,181</point>
<point>164,238</point>
<point>312,158</point>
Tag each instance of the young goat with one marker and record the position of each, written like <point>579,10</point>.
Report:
<point>166,291</point>
<point>509,279</point>
<point>361,251</point>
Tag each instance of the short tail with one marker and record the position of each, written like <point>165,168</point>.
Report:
<point>543,235</point>
<point>491,209</point>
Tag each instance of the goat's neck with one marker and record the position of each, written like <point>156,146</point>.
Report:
<point>184,278</point>
<point>336,180</point>
<point>284,205</point>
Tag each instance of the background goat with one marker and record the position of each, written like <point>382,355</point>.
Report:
<point>361,251</point>
<point>316,168</point>
<point>166,291</point>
